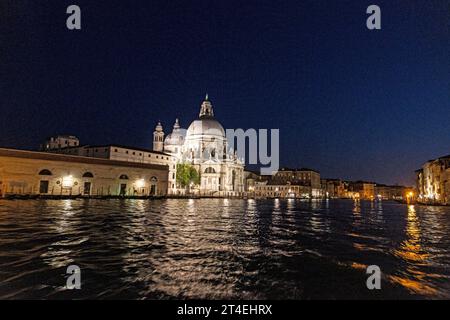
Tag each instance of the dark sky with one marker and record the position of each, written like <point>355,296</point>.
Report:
<point>352,103</point>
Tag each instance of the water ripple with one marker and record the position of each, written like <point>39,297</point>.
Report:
<point>222,249</point>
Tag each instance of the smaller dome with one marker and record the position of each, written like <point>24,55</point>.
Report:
<point>174,138</point>
<point>177,136</point>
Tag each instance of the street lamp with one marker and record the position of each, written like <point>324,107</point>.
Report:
<point>409,196</point>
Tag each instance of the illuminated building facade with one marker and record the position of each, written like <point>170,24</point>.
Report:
<point>363,190</point>
<point>29,173</point>
<point>286,183</point>
<point>204,146</point>
<point>127,154</point>
<point>433,181</point>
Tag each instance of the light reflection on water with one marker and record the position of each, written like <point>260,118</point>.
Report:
<point>223,248</point>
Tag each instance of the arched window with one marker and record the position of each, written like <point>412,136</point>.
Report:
<point>123,177</point>
<point>154,179</point>
<point>210,170</point>
<point>88,175</point>
<point>45,172</point>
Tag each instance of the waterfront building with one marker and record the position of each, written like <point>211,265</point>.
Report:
<point>433,181</point>
<point>272,189</point>
<point>362,190</point>
<point>60,142</point>
<point>286,183</point>
<point>301,177</point>
<point>306,176</point>
<point>127,154</point>
<point>204,146</point>
<point>30,173</point>
<point>385,192</point>
<point>251,179</point>
<point>334,188</point>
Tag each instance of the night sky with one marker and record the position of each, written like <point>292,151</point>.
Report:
<point>349,102</point>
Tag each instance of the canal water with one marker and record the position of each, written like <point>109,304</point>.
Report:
<point>223,249</point>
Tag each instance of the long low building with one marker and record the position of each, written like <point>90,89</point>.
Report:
<point>126,154</point>
<point>41,173</point>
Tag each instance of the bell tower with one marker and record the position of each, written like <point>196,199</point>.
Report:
<point>158,138</point>
<point>206,109</point>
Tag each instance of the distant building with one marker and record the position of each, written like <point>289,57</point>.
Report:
<point>271,189</point>
<point>49,174</point>
<point>301,177</point>
<point>385,192</point>
<point>60,142</point>
<point>362,189</point>
<point>252,179</point>
<point>433,181</point>
<point>334,188</point>
<point>286,183</point>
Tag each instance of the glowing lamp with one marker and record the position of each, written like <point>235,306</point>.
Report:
<point>140,183</point>
<point>67,182</point>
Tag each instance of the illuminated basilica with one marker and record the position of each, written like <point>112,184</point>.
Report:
<point>204,146</point>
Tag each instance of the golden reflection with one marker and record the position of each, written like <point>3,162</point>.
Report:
<point>411,251</point>
<point>356,206</point>
<point>364,247</point>
<point>358,266</point>
<point>413,285</point>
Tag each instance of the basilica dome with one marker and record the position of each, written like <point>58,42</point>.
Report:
<point>206,124</point>
<point>205,127</point>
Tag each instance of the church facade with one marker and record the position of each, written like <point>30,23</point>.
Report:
<point>204,146</point>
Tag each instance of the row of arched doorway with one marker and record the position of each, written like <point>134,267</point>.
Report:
<point>125,188</point>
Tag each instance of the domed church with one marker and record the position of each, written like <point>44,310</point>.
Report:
<point>204,146</point>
